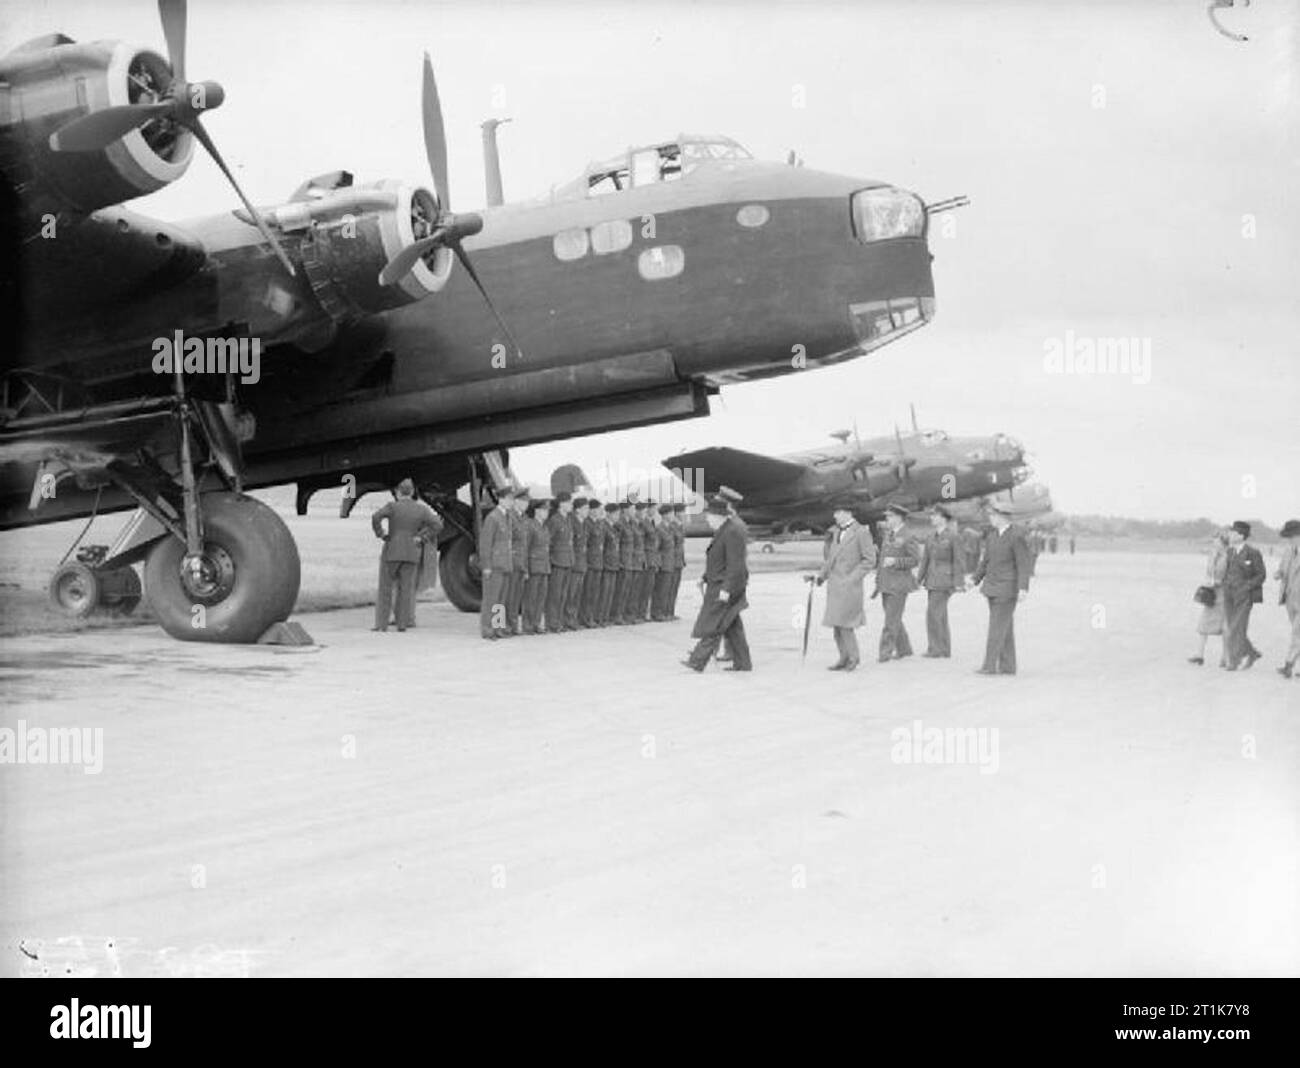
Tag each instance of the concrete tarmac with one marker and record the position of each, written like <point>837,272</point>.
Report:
<point>429,803</point>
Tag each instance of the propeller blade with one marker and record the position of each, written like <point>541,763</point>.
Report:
<point>400,265</point>
<point>172,13</point>
<point>469,269</point>
<point>915,429</point>
<point>435,137</point>
<point>206,142</point>
<point>101,128</point>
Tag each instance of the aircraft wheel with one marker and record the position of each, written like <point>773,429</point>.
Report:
<point>75,590</point>
<point>461,579</point>
<point>121,590</point>
<point>246,578</point>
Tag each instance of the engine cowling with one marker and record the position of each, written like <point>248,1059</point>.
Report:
<point>348,234</point>
<point>50,82</point>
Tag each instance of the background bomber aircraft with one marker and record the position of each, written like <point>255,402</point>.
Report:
<point>632,294</point>
<point>799,491</point>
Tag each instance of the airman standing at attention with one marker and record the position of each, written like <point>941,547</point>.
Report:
<point>590,613</point>
<point>578,576</point>
<point>539,566</point>
<point>650,534</point>
<point>943,570</point>
<point>667,546</point>
<point>894,580</point>
<point>519,563</point>
<point>613,566</point>
<point>561,530</point>
<point>495,560</point>
<point>634,565</point>
<point>623,528</point>
<point>679,557</point>
<point>410,524</point>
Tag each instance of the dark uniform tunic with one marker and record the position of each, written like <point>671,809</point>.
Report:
<point>495,558</point>
<point>561,531</point>
<point>613,569</point>
<point>943,569</point>
<point>591,588</point>
<point>578,577</point>
<point>894,580</point>
<point>539,574</point>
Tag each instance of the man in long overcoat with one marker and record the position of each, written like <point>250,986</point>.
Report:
<point>850,556</point>
<point>726,575</point>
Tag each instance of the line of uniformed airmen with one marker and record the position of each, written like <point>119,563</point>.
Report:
<point>554,565</point>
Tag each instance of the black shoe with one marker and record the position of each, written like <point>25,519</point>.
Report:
<point>984,671</point>
<point>883,659</point>
<point>401,630</point>
<point>837,666</point>
<point>687,663</point>
<point>379,630</point>
<point>931,656</point>
<point>1198,660</point>
<point>1286,669</point>
<point>733,667</point>
<point>900,656</point>
<point>1251,657</point>
<point>852,665</point>
<point>723,659</point>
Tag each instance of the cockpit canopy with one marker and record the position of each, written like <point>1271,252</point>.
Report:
<point>666,161</point>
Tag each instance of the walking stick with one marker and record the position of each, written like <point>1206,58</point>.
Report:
<point>807,617</point>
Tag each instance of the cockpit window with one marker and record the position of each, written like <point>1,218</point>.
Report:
<point>664,162</point>
<point>933,437</point>
<point>614,180</point>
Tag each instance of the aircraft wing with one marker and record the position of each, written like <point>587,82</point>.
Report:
<point>104,260</point>
<point>742,471</point>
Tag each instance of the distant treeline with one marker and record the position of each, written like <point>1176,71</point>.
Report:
<point>1110,526</point>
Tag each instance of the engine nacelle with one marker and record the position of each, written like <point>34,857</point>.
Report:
<point>50,82</point>
<point>348,234</point>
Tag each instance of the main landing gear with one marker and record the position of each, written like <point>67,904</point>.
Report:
<point>219,566</point>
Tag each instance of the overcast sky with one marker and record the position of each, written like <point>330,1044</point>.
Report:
<point>1132,173</point>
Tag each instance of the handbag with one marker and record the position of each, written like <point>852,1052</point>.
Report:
<point>1204,595</point>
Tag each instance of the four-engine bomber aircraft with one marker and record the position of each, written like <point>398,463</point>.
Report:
<point>799,491</point>
<point>631,295</point>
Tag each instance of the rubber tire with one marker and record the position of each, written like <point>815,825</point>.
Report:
<point>267,573</point>
<point>122,591</point>
<point>460,582</point>
<point>89,580</point>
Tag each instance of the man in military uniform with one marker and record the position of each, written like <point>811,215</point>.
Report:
<point>633,561</point>
<point>1003,577</point>
<point>578,576</point>
<point>410,524</point>
<point>591,589</point>
<point>731,498</point>
<point>943,570</point>
<point>519,565</point>
<point>666,546</point>
<point>613,565</point>
<point>726,576</point>
<point>495,561</point>
<point>679,557</point>
<point>539,566</point>
<point>560,527</point>
<point>894,581</point>
<point>650,536</point>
